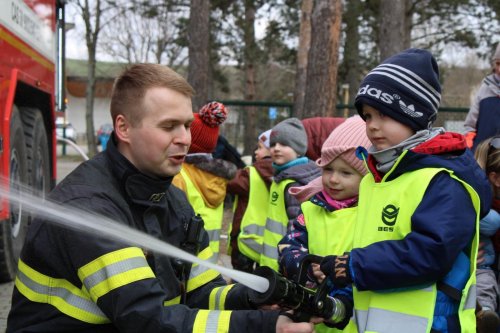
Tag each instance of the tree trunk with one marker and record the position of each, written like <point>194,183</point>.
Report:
<point>302,52</point>
<point>91,36</point>
<point>250,136</point>
<point>351,48</point>
<point>198,39</point>
<point>321,89</point>
<point>393,27</point>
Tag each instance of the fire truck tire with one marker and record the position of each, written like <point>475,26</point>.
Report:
<point>13,230</point>
<point>37,151</point>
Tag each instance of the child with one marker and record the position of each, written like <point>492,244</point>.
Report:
<point>288,146</point>
<point>488,157</point>
<point>415,240</point>
<point>204,178</point>
<point>251,186</point>
<point>326,222</point>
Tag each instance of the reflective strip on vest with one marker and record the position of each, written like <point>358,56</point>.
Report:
<point>212,217</point>
<point>253,222</point>
<point>390,322</point>
<point>408,310</point>
<point>276,223</point>
<point>217,299</point>
<point>200,275</point>
<point>212,321</point>
<point>65,297</point>
<point>113,270</point>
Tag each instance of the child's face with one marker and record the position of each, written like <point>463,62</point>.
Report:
<point>340,180</point>
<point>496,66</point>
<point>383,131</point>
<point>261,151</point>
<point>282,154</point>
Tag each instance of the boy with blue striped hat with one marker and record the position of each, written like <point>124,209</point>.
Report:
<point>414,251</point>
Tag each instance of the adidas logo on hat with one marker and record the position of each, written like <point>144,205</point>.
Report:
<point>410,110</point>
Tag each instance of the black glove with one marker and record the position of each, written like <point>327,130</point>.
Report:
<point>336,268</point>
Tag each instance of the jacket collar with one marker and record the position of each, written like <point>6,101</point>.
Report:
<point>140,188</point>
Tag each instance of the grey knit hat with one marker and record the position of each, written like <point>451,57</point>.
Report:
<point>290,132</point>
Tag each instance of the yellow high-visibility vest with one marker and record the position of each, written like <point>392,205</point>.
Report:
<point>329,233</point>
<point>395,202</point>
<point>254,219</point>
<point>211,216</point>
<point>276,223</point>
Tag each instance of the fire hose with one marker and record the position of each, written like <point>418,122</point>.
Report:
<point>293,295</point>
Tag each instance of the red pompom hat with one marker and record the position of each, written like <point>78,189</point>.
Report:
<point>205,127</point>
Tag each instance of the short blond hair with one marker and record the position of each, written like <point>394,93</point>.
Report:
<point>130,87</point>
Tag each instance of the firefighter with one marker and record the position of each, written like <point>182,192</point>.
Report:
<point>70,282</point>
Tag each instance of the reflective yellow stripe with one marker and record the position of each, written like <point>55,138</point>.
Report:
<point>173,301</point>
<point>200,275</point>
<point>60,293</point>
<point>114,270</point>
<point>217,300</point>
<point>212,321</point>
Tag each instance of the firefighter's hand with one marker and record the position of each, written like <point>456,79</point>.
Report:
<point>337,269</point>
<point>285,324</point>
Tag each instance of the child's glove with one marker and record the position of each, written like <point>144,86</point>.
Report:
<point>337,269</point>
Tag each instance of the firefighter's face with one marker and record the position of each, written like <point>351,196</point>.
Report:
<point>158,145</point>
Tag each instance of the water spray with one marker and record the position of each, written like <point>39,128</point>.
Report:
<point>267,287</point>
<point>91,223</point>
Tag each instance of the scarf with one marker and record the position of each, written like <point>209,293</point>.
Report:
<point>297,161</point>
<point>387,157</point>
<point>339,204</point>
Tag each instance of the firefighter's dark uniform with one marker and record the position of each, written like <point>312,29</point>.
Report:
<point>75,282</point>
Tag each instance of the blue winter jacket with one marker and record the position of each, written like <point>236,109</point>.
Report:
<point>431,251</point>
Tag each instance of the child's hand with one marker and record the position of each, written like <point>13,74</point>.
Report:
<point>318,274</point>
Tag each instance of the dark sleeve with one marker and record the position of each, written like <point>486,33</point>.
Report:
<point>239,185</point>
<point>443,225</point>
<point>292,248</point>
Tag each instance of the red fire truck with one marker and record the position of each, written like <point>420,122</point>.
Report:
<point>31,63</point>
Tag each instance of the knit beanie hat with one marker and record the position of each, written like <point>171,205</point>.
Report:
<point>497,53</point>
<point>264,137</point>
<point>404,87</point>
<point>290,132</point>
<point>205,127</point>
<point>343,142</point>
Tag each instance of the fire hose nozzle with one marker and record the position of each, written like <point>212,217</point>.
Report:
<point>291,295</point>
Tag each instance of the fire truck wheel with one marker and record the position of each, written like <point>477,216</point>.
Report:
<point>37,151</point>
<point>13,230</point>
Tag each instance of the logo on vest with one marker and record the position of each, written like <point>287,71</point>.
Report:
<point>274,197</point>
<point>156,197</point>
<point>389,218</point>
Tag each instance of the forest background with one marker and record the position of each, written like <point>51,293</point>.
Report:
<point>309,53</point>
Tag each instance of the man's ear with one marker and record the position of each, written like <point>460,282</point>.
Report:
<point>122,128</point>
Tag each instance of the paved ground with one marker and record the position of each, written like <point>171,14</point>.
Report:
<point>65,164</point>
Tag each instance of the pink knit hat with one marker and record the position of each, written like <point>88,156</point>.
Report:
<point>342,142</point>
